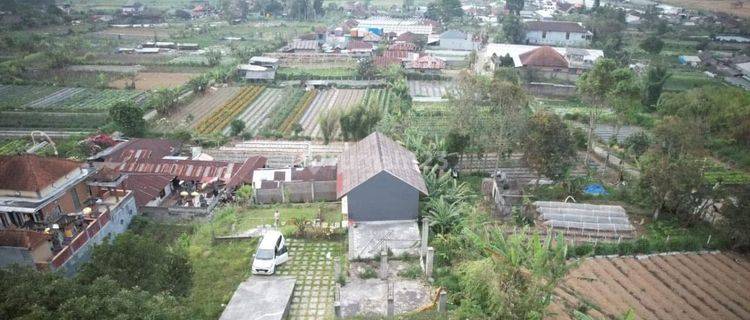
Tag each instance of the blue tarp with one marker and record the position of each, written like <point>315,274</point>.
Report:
<point>595,189</point>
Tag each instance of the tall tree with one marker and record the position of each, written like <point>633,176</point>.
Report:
<point>129,118</point>
<point>652,44</point>
<point>491,112</point>
<point>656,76</point>
<point>513,29</point>
<point>515,6</point>
<point>359,121</point>
<point>548,146</point>
<point>600,86</point>
<point>608,24</point>
<point>328,121</point>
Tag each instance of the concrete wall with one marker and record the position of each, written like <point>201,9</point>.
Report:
<point>457,44</point>
<point>550,89</point>
<point>298,192</point>
<point>120,220</point>
<point>383,197</point>
<point>557,38</point>
<point>15,255</point>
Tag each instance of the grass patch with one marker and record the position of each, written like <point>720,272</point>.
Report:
<point>684,80</point>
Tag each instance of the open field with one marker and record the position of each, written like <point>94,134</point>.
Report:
<point>202,105</point>
<point>429,89</point>
<point>257,113</point>
<point>671,286</point>
<point>430,118</point>
<point>725,6</point>
<point>334,99</point>
<point>154,80</point>
<point>684,80</point>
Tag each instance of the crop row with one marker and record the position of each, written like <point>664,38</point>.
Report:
<point>64,99</point>
<point>52,120</point>
<point>298,110</point>
<point>379,97</point>
<point>286,107</point>
<point>12,147</point>
<point>221,118</point>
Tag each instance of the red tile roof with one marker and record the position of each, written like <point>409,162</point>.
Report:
<point>543,56</point>
<point>408,37</point>
<point>245,173</point>
<point>231,173</point>
<point>315,173</point>
<point>33,173</point>
<point>146,187</point>
<point>427,63</point>
<point>359,45</point>
<point>143,149</point>
<point>403,46</point>
<point>390,57</point>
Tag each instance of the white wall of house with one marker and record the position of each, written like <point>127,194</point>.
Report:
<point>555,38</point>
<point>268,174</point>
<point>457,44</point>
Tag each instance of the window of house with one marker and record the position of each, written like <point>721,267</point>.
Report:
<point>567,35</point>
<point>544,34</point>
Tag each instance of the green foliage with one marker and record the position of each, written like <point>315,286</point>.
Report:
<point>213,57</point>
<point>168,269</point>
<point>444,10</point>
<point>236,127</point>
<point>638,143</point>
<point>368,273</point>
<point>608,24</point>
<point>244,193</point>
<point>514,32</point>
<point>515,6</point>
<point>445,216</point>
<point>366,68</point>
<point>164,100</point>
<point>736,219</point>
<point>359,121</point>
<point>516,278</point>
<point>652,44</point>
<point>653,83</point>
<point>549,147</point>
<point>56,297</point>
<point>128,118</point>
<point>328,121</point>
<point>414,271</point>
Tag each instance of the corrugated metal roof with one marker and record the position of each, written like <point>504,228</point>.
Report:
<point>558,26</point>
<point>374,154</point>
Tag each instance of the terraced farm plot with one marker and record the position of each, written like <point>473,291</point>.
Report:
<point>52,120</point>
<point>334,99</point>
<point>220,119</point>
<point>430,118</point>
<point>202,105</point>
<point>256,115</point>
<point>63,99</point>
<point>297,111</point>
<point>670,286</point>
<point>12,96</point>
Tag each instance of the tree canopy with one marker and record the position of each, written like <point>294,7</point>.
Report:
<point>548,145</point>
<point>128,118</point>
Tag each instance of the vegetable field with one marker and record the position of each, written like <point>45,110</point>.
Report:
<point>335,99</point>
<point>203,104</point>
<point>430,118</point>
<point>12,147</point>
<point>378,97</point>
<point>62,99</point>
<point>296,113</point>
<point>256,115</point>
<point>52,120</point>
<point>221,118</point>
<point>672,286</point>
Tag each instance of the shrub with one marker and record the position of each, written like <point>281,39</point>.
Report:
<point>368,273</point>
<point>412,272</point>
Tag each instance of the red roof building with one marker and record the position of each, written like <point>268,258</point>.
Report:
<point>543,57</point>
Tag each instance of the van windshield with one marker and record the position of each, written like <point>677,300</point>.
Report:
<point>264,254</point>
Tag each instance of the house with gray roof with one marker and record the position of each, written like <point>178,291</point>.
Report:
<point>557,33</point>
<point>379,180</point>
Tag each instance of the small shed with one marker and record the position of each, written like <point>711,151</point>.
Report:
<point>692,61</point>
<point>379,180</point>
<point>253,72</point>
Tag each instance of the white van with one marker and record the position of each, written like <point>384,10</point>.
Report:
<point>271,252</point>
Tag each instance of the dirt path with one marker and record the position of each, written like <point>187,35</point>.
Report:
<point>154,80</point>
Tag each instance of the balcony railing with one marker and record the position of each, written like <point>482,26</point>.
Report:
<point>80,240</point>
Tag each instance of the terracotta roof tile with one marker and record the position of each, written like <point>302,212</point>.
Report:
<point>33,173</point>
<point>543,56</point>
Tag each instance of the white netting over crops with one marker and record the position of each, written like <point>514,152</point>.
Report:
<point>584,217</point>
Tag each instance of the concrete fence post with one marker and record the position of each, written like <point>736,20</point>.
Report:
<point>384,264</point>
<point>337,302</point>
<point>425,236</point>
<point>337,268</point>
<point>443,302</point>
<point>390,308</point>
<point>428,262</point>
